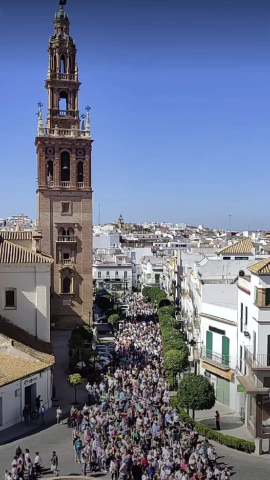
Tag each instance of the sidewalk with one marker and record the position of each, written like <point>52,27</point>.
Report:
<point>230,423</point>
<point>64,393</point>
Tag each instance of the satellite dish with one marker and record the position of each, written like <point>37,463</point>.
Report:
<point>241,273</point>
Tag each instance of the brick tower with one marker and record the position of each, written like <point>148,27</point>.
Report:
<point>64,182</point>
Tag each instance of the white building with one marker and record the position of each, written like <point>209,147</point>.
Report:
<point>25,281</point>
<point>112,272</point>
<point>26,356</point>
<point>152,271</point>
<point>26,366</point>
<point>254,348</point>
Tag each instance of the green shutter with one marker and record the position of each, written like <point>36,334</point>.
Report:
<point>209,344</point>
<point>225,350</point>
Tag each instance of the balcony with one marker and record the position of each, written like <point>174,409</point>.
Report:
<point>60,132</point>
<point>80,184</point>
<point>67,261</point>
<point>65,113</point>
<point>63,76</point>
<point>65,184</point>
<point>66,239</point>
<point>222,361</point>
<point>259,361</point>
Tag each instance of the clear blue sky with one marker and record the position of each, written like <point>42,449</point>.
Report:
<point>180,97</point>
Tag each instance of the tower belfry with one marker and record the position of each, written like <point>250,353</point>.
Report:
<point>64,146</point>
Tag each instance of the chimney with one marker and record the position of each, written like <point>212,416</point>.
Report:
<point>37,237</point>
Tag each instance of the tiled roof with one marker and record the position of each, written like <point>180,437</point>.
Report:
<point>244,246</point>
<point>23,341</point>
<point>14,368</point>
<point>13,253</point>
<point>261,268</point>
<point>7,235</point>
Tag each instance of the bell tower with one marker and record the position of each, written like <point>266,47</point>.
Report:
<point>64,147</point>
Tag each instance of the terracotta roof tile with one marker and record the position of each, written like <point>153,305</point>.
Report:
<point>7,235</point>
<point>13,253</point>
<point>244,246</point>
<point>23,341</point>
<point>261,268</point>
<point>13,368</point>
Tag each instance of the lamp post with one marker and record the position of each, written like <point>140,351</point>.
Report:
<point>94,348</point>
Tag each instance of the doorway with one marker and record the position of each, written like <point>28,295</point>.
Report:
<point>223,391</point>
<point>30,395</point>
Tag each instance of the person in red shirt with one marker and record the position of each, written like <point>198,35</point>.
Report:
<point>144,462</point>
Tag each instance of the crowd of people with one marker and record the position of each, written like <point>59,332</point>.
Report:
<point>139,310</point>
<point>132,432</point>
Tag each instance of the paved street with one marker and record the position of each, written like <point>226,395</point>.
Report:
<point>56,438</point>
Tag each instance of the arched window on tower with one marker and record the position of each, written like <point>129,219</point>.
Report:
<point>63,103</point>
<point>80,174</point>
<point>62,232</point>
<point>50,173</point>
<point>65,167</point>
<point>66,285</point>
<point>62,64</point>
<point>70,232</point>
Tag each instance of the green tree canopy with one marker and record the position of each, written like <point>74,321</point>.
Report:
<point>174,344</point>
<point>164,302</point>
<point>113,318</point>
<point>169,333</point>
<point>167,310</point>
<point>176,360</point>
<point>76,342</point>
<point>166,321</point>
<point>196,392</point>
<point>75,380</point>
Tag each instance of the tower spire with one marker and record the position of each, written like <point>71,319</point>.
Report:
<point>40,127</point>
<point>88,126</point>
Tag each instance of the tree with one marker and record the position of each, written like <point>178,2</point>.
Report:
<point>167,310</point>
<point>169,333</point>
<point>174,344</point>
<point>113,318</point>
<point>164,302</point>
<point>167,321</point>
<point>176,361</point>
<point>196,392</point>
<point>75,380</point>
<point>76,342</point>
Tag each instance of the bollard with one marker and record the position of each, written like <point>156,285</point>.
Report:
<point>258,446</point>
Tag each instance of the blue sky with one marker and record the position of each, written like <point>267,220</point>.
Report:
<point>180,102</point>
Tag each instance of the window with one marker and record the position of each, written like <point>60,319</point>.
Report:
<point>157,277</point>
<point>66,285</point>
<point>116,274</point>
<point>241,258</point>
<point>241,317</point>
<point>100,284</point>
<point>10,298</point>
<point>63,103</point>
<point>241,358</point>
<point>49,171</point>
<point>65,167</point>
<point>63,64</point>
<point>125,274</point>
<point>65,207</point>
<point>225,351</point>
<point>226,258</point>
<point>217,330</point>
<point>107,274</point>
<point>99,274</point>
<point>246,315</point>
<point>80,172</point>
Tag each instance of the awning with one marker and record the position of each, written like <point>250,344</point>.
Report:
<point>249,385</point>
<point>218,371</point>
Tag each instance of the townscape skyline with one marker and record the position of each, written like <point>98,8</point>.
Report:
<point>180,106</point>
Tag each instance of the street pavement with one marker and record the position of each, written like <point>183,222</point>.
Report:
<point>59,438</point>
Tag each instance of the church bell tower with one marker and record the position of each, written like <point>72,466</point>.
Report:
<point>64,146</point>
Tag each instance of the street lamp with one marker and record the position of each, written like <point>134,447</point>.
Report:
<point>94,348</point>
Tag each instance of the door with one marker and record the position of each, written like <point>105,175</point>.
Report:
<point>209,344</point>
<point>223,391</point>
<point>225,350</point>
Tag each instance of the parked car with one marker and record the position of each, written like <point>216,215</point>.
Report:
<point>104,328</point>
